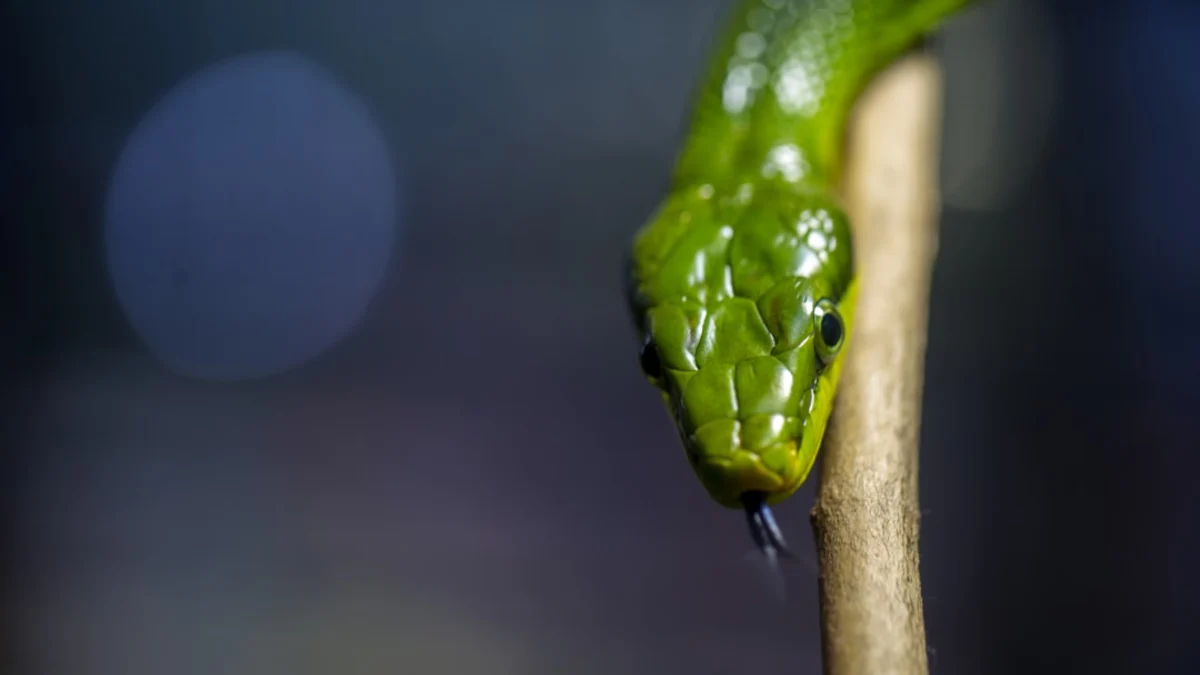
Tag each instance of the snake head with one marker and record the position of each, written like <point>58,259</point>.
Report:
<point>743,315</point>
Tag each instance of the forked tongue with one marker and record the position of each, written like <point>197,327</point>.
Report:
<point>769,542</point>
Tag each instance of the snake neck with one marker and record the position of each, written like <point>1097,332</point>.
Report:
<point>783,80</point>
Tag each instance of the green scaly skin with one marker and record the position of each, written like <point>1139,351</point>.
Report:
<point>731,279</point>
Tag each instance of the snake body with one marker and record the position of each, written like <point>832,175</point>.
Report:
<point>742,283</point>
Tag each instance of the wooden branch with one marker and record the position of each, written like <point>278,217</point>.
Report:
<point>866,519</point>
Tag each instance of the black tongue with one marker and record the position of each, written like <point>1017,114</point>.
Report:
<point>763,529</point>
<point>767,537</point>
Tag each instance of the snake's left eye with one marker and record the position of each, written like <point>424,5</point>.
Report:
<point>830,330</point>
<point>651,364</point>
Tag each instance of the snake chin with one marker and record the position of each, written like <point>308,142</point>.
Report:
<point>732,460</point>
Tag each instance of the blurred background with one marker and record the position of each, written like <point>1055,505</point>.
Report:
<point>316,360</point>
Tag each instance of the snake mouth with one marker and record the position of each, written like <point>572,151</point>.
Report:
<point>743,475</point>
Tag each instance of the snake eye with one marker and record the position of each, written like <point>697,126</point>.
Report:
<point>651,364</point>
<point>831,332</point>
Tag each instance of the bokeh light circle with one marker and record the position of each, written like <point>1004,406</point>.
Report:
<point>250,217</point>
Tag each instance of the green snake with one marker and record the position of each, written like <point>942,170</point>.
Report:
<point>742,284</point>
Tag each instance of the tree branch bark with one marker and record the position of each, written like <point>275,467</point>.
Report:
<point>866,519</point>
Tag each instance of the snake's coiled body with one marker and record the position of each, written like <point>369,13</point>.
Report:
<point>742,285</point>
